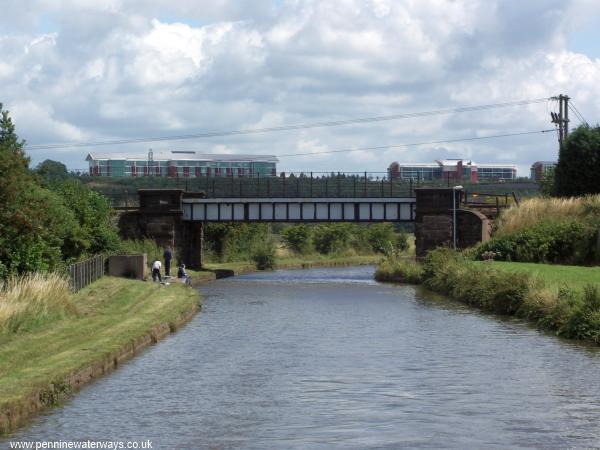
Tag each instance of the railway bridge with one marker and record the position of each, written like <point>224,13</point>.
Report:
<point>177,218</point>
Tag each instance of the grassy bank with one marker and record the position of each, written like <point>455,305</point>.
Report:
<point>553,274</point>
<point>113,318</point>
<point>564,302</point>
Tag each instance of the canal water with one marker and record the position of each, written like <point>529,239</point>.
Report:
<point>328,358</point>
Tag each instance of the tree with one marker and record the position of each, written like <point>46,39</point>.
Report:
<point>52,171</point>
<point>14,165</point>
<point>94,231</point>
<point>547,185</point>
<point>33,220</point>
<point>578,165</point>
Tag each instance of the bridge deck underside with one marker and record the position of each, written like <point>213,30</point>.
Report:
<point>300,210</point>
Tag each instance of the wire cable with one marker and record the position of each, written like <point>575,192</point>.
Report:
<point>286,127</point>
<point>577,113</point>
<point>413,144</point>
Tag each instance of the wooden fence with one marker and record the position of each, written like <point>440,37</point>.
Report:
<point>85,272</point>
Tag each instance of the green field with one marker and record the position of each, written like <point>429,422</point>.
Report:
<point>552,274</point>
<point>112,315</point>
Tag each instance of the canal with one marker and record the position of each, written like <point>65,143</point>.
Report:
<point>328,358</point>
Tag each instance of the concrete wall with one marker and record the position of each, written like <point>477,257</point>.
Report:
<point>128,266</point>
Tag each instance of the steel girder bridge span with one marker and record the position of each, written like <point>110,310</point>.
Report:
<point>400,209</point>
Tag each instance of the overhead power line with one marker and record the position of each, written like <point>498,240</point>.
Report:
<point>286,127</point>
<point>413,144</point>
<point>577,113</point>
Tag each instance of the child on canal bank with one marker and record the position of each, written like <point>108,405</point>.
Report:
<point>156,265</point>
<point>181,273</point>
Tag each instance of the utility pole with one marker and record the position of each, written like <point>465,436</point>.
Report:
<point>562,118</point>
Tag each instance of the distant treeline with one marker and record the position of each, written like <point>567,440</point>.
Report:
<point>240,242</point>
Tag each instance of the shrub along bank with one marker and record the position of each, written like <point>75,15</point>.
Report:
<point>86,334</point>
<point>570,311</point>
<point>549,230</point>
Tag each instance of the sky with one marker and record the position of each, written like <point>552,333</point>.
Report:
<point>82,71</point>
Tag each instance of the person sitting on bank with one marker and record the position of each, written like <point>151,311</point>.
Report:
<point>156,265</point>
<point>181,273</point>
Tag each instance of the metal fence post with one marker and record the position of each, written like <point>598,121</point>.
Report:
<point>283,184</point>
<point>85,272</point>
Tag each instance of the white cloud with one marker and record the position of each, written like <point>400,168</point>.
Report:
<point>87,70</point>
<point>30,114</point>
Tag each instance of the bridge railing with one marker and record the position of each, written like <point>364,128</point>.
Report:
<point>309,185</point>
<point>285,185</point>
<point>123,191</point>
<point>488,201</point>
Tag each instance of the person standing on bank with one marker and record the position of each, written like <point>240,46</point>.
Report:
<point>168,254</point>
<point>156,265</point>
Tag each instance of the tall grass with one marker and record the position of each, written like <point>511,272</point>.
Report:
<point>533,211</point>
<point>33,300</point>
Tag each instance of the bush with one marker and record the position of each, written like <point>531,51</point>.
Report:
<point>403,270</point>
<point>576,315</point>
<point>263,255</point>
<point>566,243</point>
<point>40,228</point>
<point>333,237</point>
<point>297,238</point>
<point>234,242</point>
<point>450,273</point>
<point>382,235</point>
